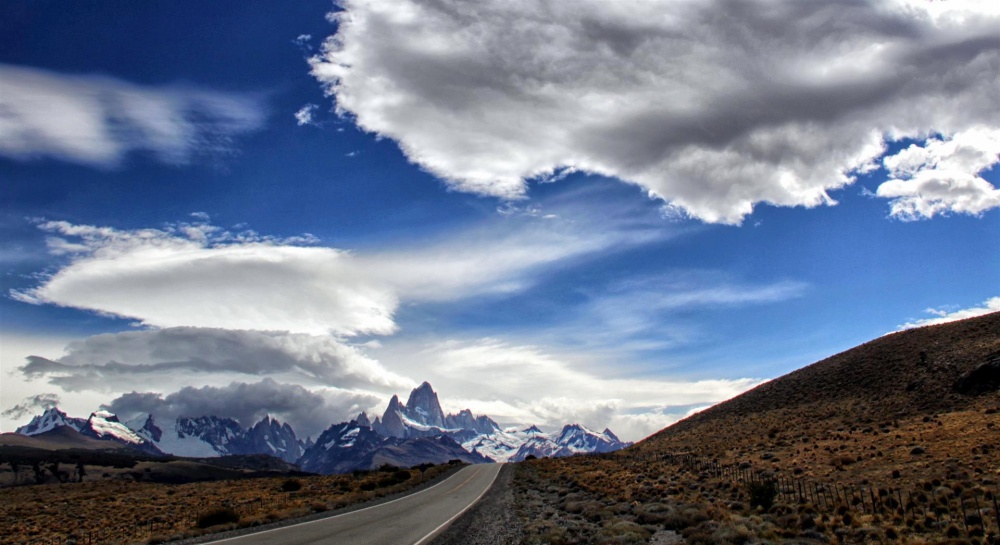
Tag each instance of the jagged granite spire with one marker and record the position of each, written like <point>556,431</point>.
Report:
<point>423,406</point>
<point>362,420</point>
<point>392,419</point>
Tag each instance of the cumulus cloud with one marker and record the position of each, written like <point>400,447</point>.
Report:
<point>308,411</point>
<point>943,175</point>
<point>944,316</point>
<point>120,361</point>
<point>713,106</point>
<point>196,274</point>
<point>304,116</point>
<point>30,405</point>
<point>527,384</point>
<point>98,120</point>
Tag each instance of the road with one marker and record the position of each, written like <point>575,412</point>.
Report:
<point>411,520</point>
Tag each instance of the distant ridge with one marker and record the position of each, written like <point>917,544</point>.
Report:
<point>61,437</point>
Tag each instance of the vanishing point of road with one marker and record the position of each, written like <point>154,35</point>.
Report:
<point>414,519</point>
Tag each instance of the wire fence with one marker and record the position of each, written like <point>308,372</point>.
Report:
<point>957,510</point>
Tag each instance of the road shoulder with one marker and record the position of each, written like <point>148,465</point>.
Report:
<point>492,521</point>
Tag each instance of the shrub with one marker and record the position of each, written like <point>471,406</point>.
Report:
<point>223,515</point>
<point>401,476</point>
<point>291,485</point>
<point>762,494</point>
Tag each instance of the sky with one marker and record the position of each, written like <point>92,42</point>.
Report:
<point>611,213</point>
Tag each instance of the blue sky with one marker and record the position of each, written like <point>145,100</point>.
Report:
<point>611,214</point>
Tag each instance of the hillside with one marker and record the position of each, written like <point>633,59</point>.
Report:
<point>895,440</point>
<point>930,388</point>
<point>62,437</point>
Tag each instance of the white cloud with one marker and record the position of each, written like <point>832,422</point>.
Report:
<point>196,274</point>
<point>124,361</point>
<point>305,115</point>
<point>527,384</point>
<point>943,175</point>
<point>944,316</point>
<point>308,411</point>
<point>30,404</point>
<point>637,314</point>
<point>98,120</point>
<point>712,105</point>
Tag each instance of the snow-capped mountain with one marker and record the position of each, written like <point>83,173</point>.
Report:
<point>404,435</point>
<point>422,416</point>
<point>49,420</point>
<point>349,446</point>
<point>207,436</point>
<point>106,426</point>
<point>341,448</point>
<point>200,437</point>
<point>270,437</point>
<point>514,445</point>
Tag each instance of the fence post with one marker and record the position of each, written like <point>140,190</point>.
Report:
<point>979,511</point>
<point>996,510</point>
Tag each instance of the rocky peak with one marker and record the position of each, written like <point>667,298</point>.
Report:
<point>392,420</point>
<point>424,407</point>
<point>150,430</point>
<point>51,419</point>
<point>362,420</point>
<point>269,436</point>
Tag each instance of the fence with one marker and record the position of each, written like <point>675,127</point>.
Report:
<point>973,511</point>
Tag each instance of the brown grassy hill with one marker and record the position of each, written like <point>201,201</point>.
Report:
<point>901,374</point>
<point>62,437</point>
<point>935,388</point>
<point>894,441</point>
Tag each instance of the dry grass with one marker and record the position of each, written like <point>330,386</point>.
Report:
<point>882,417</point>
<point>120,510</point>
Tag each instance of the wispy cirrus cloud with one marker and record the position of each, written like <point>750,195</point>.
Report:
<point>714,106</point>
<point>98,120</point>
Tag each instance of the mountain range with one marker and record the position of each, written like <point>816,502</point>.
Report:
<point>405,435</point>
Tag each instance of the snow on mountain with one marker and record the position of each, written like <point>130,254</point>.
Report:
<point>207,436</point>
<point>422,416</point>
<point>578,439</point>
<point>345,446</point>
<point>49,420</point>
<point>341,448</point>
<point>269,437</point>
<point>186,436</point>
<point>423,407</point>
<point>572,439</point>
<point>106,426</point>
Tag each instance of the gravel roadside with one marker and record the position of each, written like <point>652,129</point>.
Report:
<point>492,521</point>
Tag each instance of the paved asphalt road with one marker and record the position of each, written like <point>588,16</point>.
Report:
<point>410,520</point>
